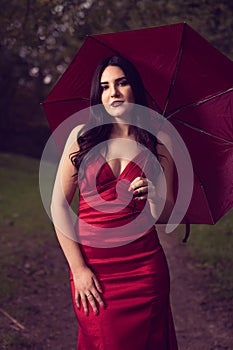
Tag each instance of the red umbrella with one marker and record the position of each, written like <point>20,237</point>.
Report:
<point>188,81</point>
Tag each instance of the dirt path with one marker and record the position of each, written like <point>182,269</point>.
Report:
<point>201,323</point>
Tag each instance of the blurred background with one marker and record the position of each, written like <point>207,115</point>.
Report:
<point>38,40</point>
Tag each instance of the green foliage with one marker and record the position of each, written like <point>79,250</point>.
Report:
<point>24,225</point>
<point>38,39</point>
<point>27,242</point>
<point>19,201</point>
<point>212,248</point>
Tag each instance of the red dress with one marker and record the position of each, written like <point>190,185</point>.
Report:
<point>130,266</point>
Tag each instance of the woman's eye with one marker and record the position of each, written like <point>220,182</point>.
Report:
<point>104,87</point>
<point>123,83</point>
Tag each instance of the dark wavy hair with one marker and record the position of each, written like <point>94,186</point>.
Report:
<point>99,127</point>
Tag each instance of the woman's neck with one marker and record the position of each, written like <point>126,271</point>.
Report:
<point>121,130</point>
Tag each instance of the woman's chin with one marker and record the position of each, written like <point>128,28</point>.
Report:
<point>121,112</point>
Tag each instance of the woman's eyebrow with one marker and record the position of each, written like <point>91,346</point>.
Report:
<point>117,80</point>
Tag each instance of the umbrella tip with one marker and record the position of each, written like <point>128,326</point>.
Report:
<point>187,233</point>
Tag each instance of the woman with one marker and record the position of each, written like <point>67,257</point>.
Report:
<point>120,287</point>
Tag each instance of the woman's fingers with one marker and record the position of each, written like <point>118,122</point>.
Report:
<point>91,300</point>
<point>141,187</point>
<point>140,194</point>
<point>84,302</point>
<point>77,298</point>
<point>138,183</point>
<point>90,296</point>
<point>97,284</point>
<point>96,292</point>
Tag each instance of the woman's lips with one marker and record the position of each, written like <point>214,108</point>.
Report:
<point>116,103</point>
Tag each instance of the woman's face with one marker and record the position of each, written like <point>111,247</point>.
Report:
<point>116,92</point>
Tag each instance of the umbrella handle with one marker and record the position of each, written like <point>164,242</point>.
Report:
<point>187,233</point>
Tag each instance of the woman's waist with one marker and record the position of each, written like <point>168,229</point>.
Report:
<point>148,243</point>
<point>112,214</point>
<point>107,231</point>
<point>97,211</point>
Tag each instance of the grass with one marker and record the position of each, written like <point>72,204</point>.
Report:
<point>24,226</point>
<point>212,248</point>
<point>20,202</point>
<point>25,233</point>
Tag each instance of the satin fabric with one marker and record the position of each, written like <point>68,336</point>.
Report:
<point>133,271</point>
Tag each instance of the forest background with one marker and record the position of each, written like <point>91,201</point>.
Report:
<point>38,40</point>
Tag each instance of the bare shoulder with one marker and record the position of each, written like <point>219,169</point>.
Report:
<point>71,147</point>
<point>76,131</point>
<point>71,142</point>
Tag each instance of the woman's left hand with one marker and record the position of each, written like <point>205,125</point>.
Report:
<point>141,187</point>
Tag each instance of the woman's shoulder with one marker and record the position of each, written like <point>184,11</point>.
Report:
<point>76,130</point>
<point>71,144</point>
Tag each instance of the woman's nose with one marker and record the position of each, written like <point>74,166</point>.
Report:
<point>114,91</point>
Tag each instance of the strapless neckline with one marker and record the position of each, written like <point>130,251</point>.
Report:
<point>133,160</point>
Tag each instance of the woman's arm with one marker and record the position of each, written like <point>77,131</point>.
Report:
<point>86,284</point>
<point>63,192</point>
<point>159,191</point>
<point>162,189</point>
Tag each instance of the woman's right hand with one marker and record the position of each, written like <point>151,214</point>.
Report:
<point>87,290</point>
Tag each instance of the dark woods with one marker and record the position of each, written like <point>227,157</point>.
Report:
<point>39,39</point>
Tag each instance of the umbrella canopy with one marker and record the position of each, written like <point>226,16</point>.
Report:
<point>188,81</point>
